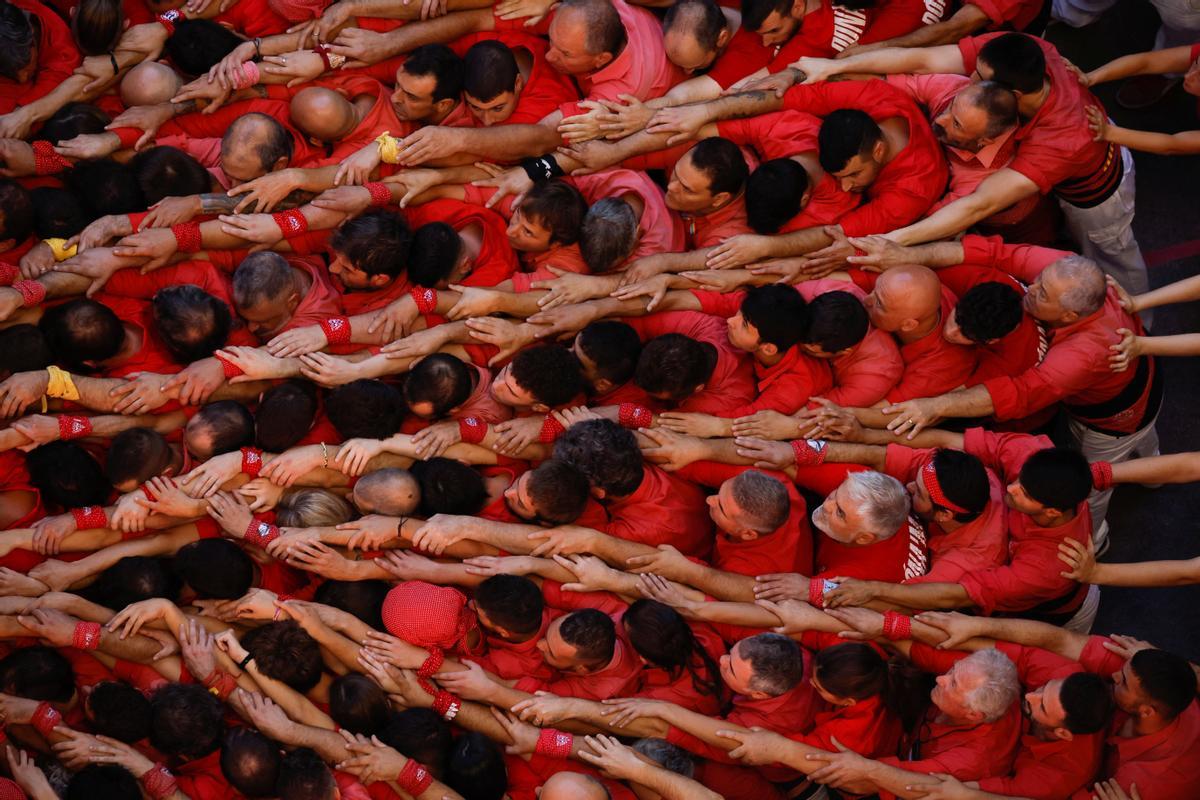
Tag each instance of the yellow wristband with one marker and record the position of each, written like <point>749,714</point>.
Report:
<point>389,148</point>
<point>60,250</point>
<point>60,384</point>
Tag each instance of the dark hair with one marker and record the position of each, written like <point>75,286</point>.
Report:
<point>844,134</point>
<point>779,314</point>
<point>264,275</point>
<point>278,142</point>
<point>999,104</point>
<point>67,475</point>
<point>361,599</point>
<point>755,12</point>
<point>476,768</point>
<point>613,346</point>
<point>284,651</point>
<point>449,487</point>
<point>608,235</point>
<point>303,775</point>
<point>559,492</point>
<point>366,409</point>
<point>377,242</point>
<point>776,660</point>
<point>1166,679</point>
<point>136,454</point>
<point>512,602</point>
<point>436,248</point>
<point>605,31</point>
<point>964,480</point>
<point>37,673</point>
<point>549,372</point>
<point>592,633</point>
<point>97,25</point>
<point>988,311</point>
<point>775,194</point>
<point>103,782</point>
<point>18,36</point>
<point>82,330</point>
<point>441,62</point>
<point>105,187</point>
<point>23,348</point>
<point>836,320</point>
<point>722,163</point>
<point>489,70</point>
<point>197,45</point>
<point>1057,477</point>
<point>1087,703</point>
<point>557,206</point>
<point>420,734</point>
<point>442,380</point>
<point>215,568</point>
<point>703,18</point>
<point>191,322</point>
<point>1017,62</point>
<point>16,204</point>
<point>856,670</point>
<point>169,172</point>
<point>663,637</point>
<point>605,453</point>
<point>186,721</point>
<point>120,711</point>
<point>74,118</point>
<point>250,762</point>
<point>131,580</point>
<point>229,423</point>
<point>285,415</point>
<point>675,365</point>
<point>357,704</point>
<point>57,214</point>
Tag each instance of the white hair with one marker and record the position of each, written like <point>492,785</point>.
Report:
<point>1000,688</point>
<point>1086,285</point>
<point>881,499</point>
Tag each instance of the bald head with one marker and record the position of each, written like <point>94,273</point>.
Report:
<point>254,145</point>
<point>585,35</point>
<point>392,492</point>
<point>905,299</point>
<point>150,83</point>
<point>573,786</point>
<point>322,114</point>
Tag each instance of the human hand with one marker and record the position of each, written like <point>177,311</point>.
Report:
<point>913,416</point>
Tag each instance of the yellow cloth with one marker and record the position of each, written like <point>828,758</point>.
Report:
<point>60,384</point>
<point>60,250</point>
<point>389,148</point>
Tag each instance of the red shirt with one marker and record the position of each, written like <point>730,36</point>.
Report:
<point>616,679</point>
<point>778,134</point>
<point>496,261</point>
<point>253,18</point>
<point>1031,580</point>
<point>322,300</point>
<point>898,558</point>
<point>202,779</point>
<point>932,365</point>
<point>911,181</point>
<point>524,777</point>
<point>663,509</point>
<point>744,55</point>
<point>1165,764</point>
<point>894,18</point>
<point>659,231</point>
<point>968,752</point>
<point>658,684</point>
<point>481,402</point>
<point>57,59</point>
<point>827,204</point>
<point>153,355</point>
<point>131,283</point>
<point>711,229</point>
<point>975,545</point>
<point>545,89</point>
<point>823,33</point>
<point>1017,14</point>
<point>519,659</point>
<point>867,728</point>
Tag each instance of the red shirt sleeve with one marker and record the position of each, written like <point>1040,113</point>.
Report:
<point>744,56</point>
<point>1024,262</point>
<point>1030,578</point>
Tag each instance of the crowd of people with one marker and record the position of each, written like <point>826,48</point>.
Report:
<point>577,400</point>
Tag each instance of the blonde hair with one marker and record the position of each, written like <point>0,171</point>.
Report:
<point>311,508</point>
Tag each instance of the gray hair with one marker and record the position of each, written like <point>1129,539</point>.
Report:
<point>1086,285</point>
<point>1000,687</point>
<point>762,498</point>
<point>881,499</point>
<point>667,755</point>
<point>608,235</point>
<point>261,276</point>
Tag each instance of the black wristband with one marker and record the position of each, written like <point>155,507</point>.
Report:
<point>542,168</point>
<point>258,48</point>
<point>116,68</point>
<point>242,664</point>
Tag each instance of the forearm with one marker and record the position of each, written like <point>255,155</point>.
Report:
<point>1165,144</point>
<point>1173,468</point>
<point>896,60</point>
<point>327,743</point>
<point>670,785</point>
<point>899,782</point>
<point>138,649</point>
<point>936,254</point>
<point>509,142</point>
<point>866,454</point>
<point>1184,344</point>
<point>922,595</point>
<point>294,704</point>
<point>998,191</point>
<point>1031,634</point>
<point>1154,62</point>
<point>591,713</point>
<point>744,614</point>
<point>1148,573</point>
<point>877,433</point>
<point>965,21</point>
<point>743,104</point>
<point>1182,291</point>
<point>718,583</point>
<point>966,403</point>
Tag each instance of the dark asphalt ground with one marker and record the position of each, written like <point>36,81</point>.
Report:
<point>1160,523</point>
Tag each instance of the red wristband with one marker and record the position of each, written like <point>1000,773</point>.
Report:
<point>86,636</point>
<point>1102,477</point>
<point>89,518</point>
<point>631,415</point>
<point>816,592</point>
<point>260,532</point>
<point>323,51</point>
<point>426,299</point>
<point>414,778</point>
<point>551,430</point>
<point>168,19</point>
<point>220,683</point>
<point>149,494</point>
<point>337,330</point>
<point>32,293</point>
<point>46,161</point>
<point>252,462</point>
<point>292,222</point>
<point>187,237</point>
<point>158,782</point>
<point>128,137</point>
<point>554,743</point>
<point>8,274</point>
<point>71,427</point>
<point>809,452</point>
<point>45,719</point>
<point>472,430</point>
<point>896,626</point>
<point>230,369</point>
<point>381,195</point>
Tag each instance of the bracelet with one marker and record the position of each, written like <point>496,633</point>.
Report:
<point>446,705</point>
<point>389,148</point>
<point>128,138</point>
<point>58,247</point>
<point>220,683</point>
<point>292,223</point>
<point>47,160</point>
<point>89,518</point>
<point>168,19</point>
<point>230,369</point>
<point>324,455</point>
<point>551,430</point>
<point>336,330</point>
<point>426,299</point>
<point>71,427</point>
<point>260,532</point>
<point>554,743</point>
<point>1102,475</point>
<point>86,636</point>
<point>45,719</point>
<point>472,430</point>
<point>631,415</point>
<point>246,659</point>
<point>112,57</point>
<point>381,195</point>
<point>60,384</point>
<point>817,587</point>
<point>542,168</point>
<point>252,462</point>
<point>323,51</point>
<point>896,626</point>
<point>258,47</point>
<point>32,293</point>
<point>8,274</point>
<point>337,60</point>
<point>187,237</point>
<point>414,778</point>
<point>809,452</point>
<point>248,75</point>
<point>158,782</point>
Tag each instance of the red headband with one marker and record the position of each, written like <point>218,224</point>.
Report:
<point>935,490</point>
